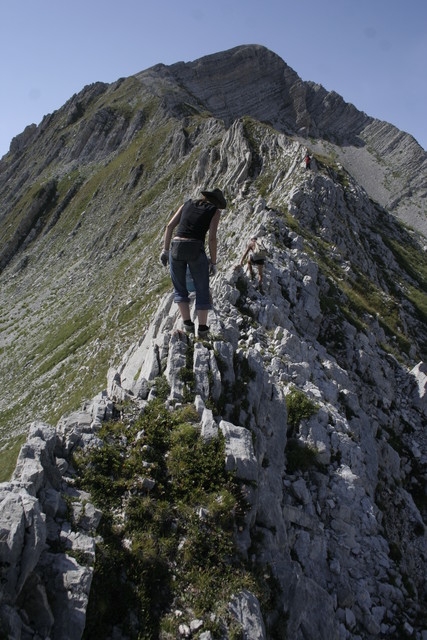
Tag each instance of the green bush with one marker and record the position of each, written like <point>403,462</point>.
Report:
<point>300,407</point>
<point>196,467</point>
<point>169,546</point>
<point>162,387</point>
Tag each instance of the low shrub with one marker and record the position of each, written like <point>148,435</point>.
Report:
<point>170,546</point>
<point>299,406</point>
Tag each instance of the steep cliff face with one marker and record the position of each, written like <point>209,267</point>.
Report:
<point>316,383</point>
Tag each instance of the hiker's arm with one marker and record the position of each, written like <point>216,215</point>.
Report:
<point>170,227</point>
<point>212,236</point>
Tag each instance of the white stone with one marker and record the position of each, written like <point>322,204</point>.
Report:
<point>209,428</point>
<point>245,608</point>
<point>239,453</point>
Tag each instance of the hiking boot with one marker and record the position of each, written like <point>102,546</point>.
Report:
<point>189,326</point>
<point>202,331</point>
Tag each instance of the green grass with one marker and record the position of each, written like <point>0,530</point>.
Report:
<point>327,162</point>
<point>365,298</point>
<point>173,556</point>
<point>8,457</point>
<point>59,346</point>
<point>419,300</point>
<point>16,214</point>
<point>414,262</point>
<point>356,297</point>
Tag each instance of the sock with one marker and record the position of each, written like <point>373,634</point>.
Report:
<point>188,323</point>
<point>203,327</point>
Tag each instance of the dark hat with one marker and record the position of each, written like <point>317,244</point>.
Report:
<point>216,197</point>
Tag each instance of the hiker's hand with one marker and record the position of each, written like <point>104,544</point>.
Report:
<point>164,257</point>
<point>212,269</point>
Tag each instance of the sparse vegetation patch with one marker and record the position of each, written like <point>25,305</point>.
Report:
<point>170,511</point>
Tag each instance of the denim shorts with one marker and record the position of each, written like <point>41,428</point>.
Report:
<point>199,269</point>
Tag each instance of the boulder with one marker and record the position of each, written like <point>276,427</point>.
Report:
<point>246,609</point>
<point>239,453</point>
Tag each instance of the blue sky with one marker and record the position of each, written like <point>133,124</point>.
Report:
<point>372,52</point>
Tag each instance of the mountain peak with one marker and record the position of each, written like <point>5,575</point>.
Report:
<point>251,80</point>
<point>315,384</point>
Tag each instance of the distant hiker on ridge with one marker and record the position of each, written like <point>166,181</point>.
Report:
<point>307,160</point>
<point>194,219</point>
<point>257,255</point>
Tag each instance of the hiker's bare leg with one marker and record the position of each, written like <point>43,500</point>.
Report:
<point>251,273</point>
<point>184,309</point>
<point>260,273</point>
<point>202,316</point>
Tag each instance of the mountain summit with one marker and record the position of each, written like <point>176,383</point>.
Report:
<point>251,80</point>
<point>269,481</point>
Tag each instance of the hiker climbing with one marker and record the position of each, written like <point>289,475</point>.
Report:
<point>307,160</point>
<point>194,219</point>
<point>257,253</point>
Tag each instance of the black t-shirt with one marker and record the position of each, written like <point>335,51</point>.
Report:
<point>196,217</point>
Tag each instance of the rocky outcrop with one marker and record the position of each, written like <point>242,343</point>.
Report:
<point>48,527</point>
<point>325,528</point>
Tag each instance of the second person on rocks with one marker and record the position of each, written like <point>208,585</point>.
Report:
<point>194,219</point>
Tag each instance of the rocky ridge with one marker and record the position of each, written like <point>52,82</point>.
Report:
<point>341,531</point>
<point>248,80</point>
<point>84,197</point>
<point>275,94</point>
<point>338,496</point>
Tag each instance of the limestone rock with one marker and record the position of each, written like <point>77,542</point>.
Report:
<point>245,608</point>
<point>239,454</point>
<point>42,591</point>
